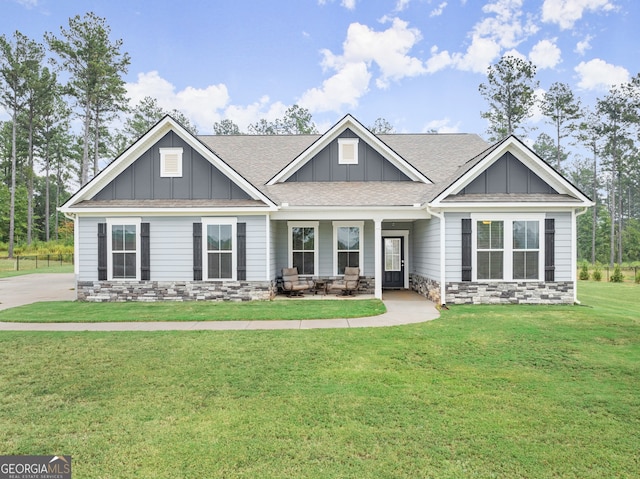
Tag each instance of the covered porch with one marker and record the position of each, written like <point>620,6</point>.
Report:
<point>386,247</point>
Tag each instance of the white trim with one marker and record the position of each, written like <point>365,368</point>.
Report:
<point>378,257</point>
<point>166,153</point>
<point>346,142</point>
<point>343,224</point>
<point>507,247</point>
<point>211,221</point>
<point>531,161</point>
<point>316,241</point>
<point>122,221</point>
<point>129,156</point>
<point>349,122</point>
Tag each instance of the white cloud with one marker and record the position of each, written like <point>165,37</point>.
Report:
<point>243,116</point>
<point>401,5</point>
<point>362,49</point>
<point>584,45</point>
<point>566,12</point>
<point>28,3</point>
<point>536,112</point>
<point>502,28</point>
<point>441,126</point>
<point>343,89</point>
<point>349,4</point>
<point>597,74</point>
<point>545,54</point>
<point>200,105</point>
<point>436,12</point>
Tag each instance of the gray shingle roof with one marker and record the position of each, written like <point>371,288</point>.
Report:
<point>258,158</point>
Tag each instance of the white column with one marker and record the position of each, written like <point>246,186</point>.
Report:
<point>378,257</point>
<point>443,260</point>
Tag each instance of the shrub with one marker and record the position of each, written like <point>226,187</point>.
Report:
<point>597,273</point>
<point>617,276</point>
<point>637,277</point>
<point>584,272</point>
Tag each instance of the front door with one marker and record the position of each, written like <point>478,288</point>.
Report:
<point>393,267</point>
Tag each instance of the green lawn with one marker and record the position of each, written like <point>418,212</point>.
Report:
<point>486,392</point>
<point>71,311</point>
<point>30,266</point>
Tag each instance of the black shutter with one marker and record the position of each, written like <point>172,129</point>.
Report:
<point>549,249</point>
<point>145,254</point>
<point>242,251</point>
<point>197,251</point>
<point>466,249</point>
<point>102,251</point>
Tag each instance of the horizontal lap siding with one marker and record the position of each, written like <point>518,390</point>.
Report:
<point>426,248</point>
<point>453,245</point>
<point>563,256</point>
<point>88,248</point>
<point>256,247</point>
<point>171,248</point>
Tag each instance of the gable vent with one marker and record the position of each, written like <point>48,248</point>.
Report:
<point>170,162</point>
<point>348,151</point>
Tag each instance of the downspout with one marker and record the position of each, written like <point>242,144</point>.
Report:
<point>574,253</point>
<point>443,288</point>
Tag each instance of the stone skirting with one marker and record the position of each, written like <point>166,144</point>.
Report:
<point>427,287</point>
<point>559,292</point>
<point>367,283</point>
<point>104,291</point>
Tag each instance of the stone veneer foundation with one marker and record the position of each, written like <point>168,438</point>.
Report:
<point>120,291</point>
<point>557,292</point>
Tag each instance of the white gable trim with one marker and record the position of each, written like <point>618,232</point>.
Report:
<point>154,135</point>
<point>363,133</point>
<point>529,159</point>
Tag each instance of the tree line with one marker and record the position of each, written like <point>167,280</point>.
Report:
<point>608,133</point>
<point>73,82</point>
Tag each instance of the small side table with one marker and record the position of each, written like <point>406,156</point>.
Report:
<point>320,285</point>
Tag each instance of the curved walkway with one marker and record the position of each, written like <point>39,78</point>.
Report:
<point>403,307</point>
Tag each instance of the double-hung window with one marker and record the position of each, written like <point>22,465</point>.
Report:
<point>347,240</point>
<point>507,247</point>
<point>303,246</point>
<point>123,248</point>
<point>219,249</point>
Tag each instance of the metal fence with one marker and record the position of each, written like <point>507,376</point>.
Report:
<point>35,261</point>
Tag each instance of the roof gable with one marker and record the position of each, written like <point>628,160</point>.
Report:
<point>509,171</point>
<point>216,179</point>
<point>307,165</point>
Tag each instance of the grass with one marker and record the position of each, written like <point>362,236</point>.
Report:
<point>70,311</point>
<point>486,392</point>
<point>30,266</point>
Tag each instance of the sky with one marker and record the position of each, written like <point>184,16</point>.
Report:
<point>415,63</point>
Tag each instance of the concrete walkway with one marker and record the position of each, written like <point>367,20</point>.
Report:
<point>403,307</point>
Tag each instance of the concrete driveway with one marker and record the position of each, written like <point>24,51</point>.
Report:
<point>31,288</point>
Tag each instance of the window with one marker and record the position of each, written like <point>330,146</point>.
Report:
<point>490,249</point>
<point>219,247</point>
<point>170,162</point>
<point>347,238</point>
<point>303,247</point>
<point>526,249</point>
<point>348,151</point>
<point>507,248</point>
<point>123,247</point>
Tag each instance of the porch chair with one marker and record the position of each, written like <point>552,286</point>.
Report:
<point>350,282</point>
<point>292,284</point>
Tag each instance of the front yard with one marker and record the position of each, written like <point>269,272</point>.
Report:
<point>510,391</point>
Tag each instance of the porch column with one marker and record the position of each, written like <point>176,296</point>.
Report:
<point>378,258</point>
